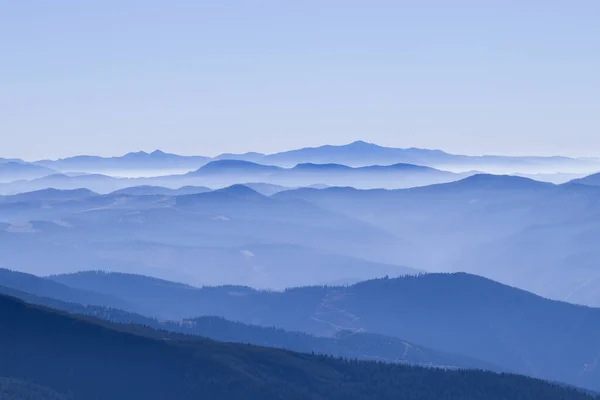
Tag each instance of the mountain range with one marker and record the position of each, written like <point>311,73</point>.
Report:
<point>205,238</point>
<point>13,171</point>
<point>136,161</point>
<point>350,345</point>
<point>222,173</point>
<point>46,354</point>
<point>469,321</point>
<point>496,226</point>
<point>361,153</point>
<point>453,313</point>
<point>534,235</point>
<point>356,154</point>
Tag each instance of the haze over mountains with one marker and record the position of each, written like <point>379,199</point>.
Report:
<point>50,293</point>
<point>217,174</point>
<point>496,226</point>
<point>189,245</point>
<point>356,154</point>
<point>332,250</point>
<point>205,238</point>
<point>45,354</point>
<point>436,320</point>
<point>530,234</point>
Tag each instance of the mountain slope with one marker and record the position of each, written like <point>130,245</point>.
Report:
<point>348,345</point>
<point>54,350</point>
<point>48,288</point>
<point>496,226</point>
<point>361,153</point>
<point>455,313</point>
<point>13,171</point>
<point>166,237</point>
<point>148,190</point>
<point>592,180</point>
<point>157,161</point>
<point>227,172</point>
<point>48,195</point>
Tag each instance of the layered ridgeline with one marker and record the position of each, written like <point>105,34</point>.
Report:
<point>457,313</point>
<point>358,164</point>
<point>534,235</point>
<point>232,235</point>
<point>48,355</point>
<point>346,344</point>
<point>17,170</point>
<point>356,154</point>
<point>221,173</point>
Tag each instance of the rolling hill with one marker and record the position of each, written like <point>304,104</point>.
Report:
<point>360,153</point>
<point>14,171</point>
<point>455,313</point>
<point>496,226</point>
<point>52,350</point>
<point>349,345</point>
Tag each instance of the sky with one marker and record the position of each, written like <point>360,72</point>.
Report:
<point>108,77</point>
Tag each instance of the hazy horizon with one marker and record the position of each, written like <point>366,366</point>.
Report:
<point>112,77</point>
<point>258,150</point>
<point>349,200</point>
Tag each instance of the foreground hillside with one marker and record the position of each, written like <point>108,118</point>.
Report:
<point>84,359</point>
<point>349,345</point>
<point>455,313</point>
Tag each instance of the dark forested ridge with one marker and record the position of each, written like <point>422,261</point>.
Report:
<point>349,345</point>
<point>455,313</point>
<point>66,355</point>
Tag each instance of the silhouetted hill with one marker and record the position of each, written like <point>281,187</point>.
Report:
<point>96,182</point>
<point>310,167</point>
<point>592,180</point>
<point>233,166</point>
<point>360,153</point>
<point>142,288</point>
<point>266,189</point>
<point>356,154</point>
<point>12,171</point>
<point>91,360</point>
<point>207,238</point>
<point>304,174</point>
<point>49,288</point>
<point>250,156</point>
<point>495,226</point>
<point>499,182</point>
<point>157,160</point>
<point>455,313</point>
<point>148,190</point>
<point>49,194</point>
<point>349,345</point>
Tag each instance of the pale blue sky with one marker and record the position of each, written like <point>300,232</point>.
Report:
<point>203,77</point>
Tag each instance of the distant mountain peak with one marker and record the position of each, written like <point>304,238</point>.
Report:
<point>228,165</point>
<point>506,181</point>
<point>239,190</point>
<point>362,143</point>
<point>315,166</point>
<point>136,154</point>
